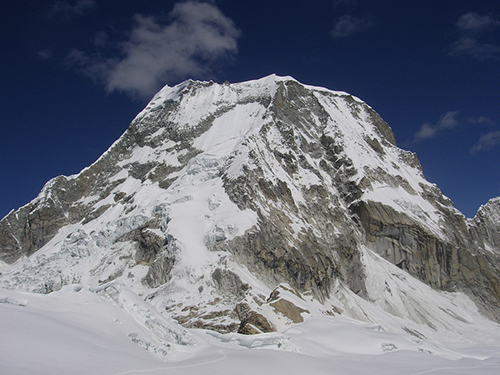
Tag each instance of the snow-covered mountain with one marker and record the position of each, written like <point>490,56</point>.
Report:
<point>260,207</point>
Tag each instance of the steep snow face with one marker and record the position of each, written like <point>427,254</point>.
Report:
<point>393,177</point>
<point>253,207</point>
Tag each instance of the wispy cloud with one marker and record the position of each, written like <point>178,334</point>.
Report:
<point>452,121</point>
<point>45,54</point>
<point>71,8</point>
<point>474,23</point>
<point>486,142</point>
<point>348,25</point>
<point>194,40</point>
<point>447,121</point>
<point>480,120</point>
<point>478,37</point>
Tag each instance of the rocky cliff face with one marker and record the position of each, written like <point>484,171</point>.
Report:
<point>485,226</point>
<point>220,199</point>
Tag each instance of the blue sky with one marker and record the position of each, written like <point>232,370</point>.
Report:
<point>74,73</point>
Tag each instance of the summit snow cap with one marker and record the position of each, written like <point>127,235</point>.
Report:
<point>262,86</point>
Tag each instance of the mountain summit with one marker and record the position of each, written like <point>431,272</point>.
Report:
<point>252,207</point>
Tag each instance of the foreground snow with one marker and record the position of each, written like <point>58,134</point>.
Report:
<point>79,331</point>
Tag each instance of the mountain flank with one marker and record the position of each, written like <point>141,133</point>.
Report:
<point>244,207</point>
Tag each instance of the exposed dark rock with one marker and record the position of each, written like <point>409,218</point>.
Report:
<point>229,283</point>
<point>251,321</point>
<point>285,307</point>
<point>288,309</point>
<point>450,264</point>
<point>486,223</point>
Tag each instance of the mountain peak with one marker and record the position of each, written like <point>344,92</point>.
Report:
<point>247,207</point>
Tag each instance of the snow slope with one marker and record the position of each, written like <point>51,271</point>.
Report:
<point>75,331</point>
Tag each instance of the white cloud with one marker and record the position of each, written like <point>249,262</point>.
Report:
<point>197,37</point>
<point>477,37</point>
<point>451,121</point>
<point>348,25</point>
<point>480,120</point>
<point>66,8</point>
<point>477,50</point>
<point>45,54</point>
<point>448,121</point>
<point>474,23</point>
<point>426,131</point>
<point>487,142</point>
